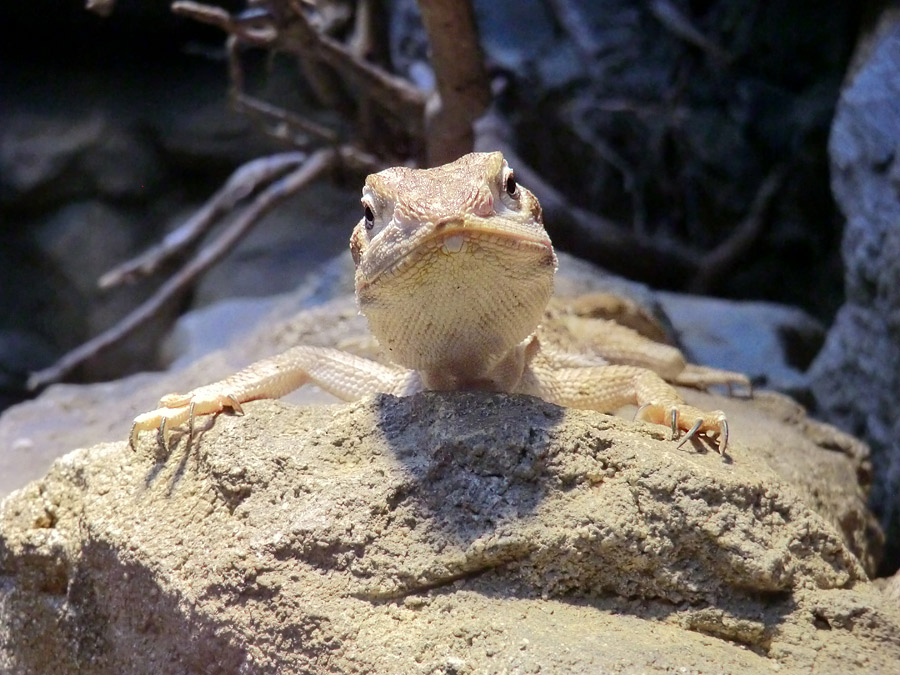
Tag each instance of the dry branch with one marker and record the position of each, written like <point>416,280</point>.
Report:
<point>462,81</point>
<point>674,20</point>
<point>269,198</point>
<point>245,181</point>
<point>288,127</point>
<point>717,263</point>
<point>571,18</point>
<point>389,91</point>
<point>258,33</point>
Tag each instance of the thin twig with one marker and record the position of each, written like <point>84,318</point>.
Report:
<point>235,69</point>
<point>291,124</point>
<point>245,180</point>
<point>723,257</point>
<point>391,92</point>
<point>261,34</point>
<point>358,161</point>
<point>275,121</point>
<point>573,20</point>
<point>299,36</point>
<point>272,196</point>
<point>681,26</point>
<point>597,145</point>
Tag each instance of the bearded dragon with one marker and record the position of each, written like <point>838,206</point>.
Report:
<point>454,273</point>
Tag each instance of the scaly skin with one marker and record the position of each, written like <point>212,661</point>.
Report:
<point>454,273</point>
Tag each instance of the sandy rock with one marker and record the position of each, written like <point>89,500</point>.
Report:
<point>891,588</point>
<point>66,417</point>
<point>437,533</point>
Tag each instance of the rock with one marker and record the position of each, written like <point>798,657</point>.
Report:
<point>440,533</point>
<point>36,152</point>
<point>492,529</point>
<point>48,159</point>
<point>772,344</point>
<point>21,352</point>
<point>856,377</point>
<point>80,242</point>
<point>208,134</point>
<point>892,589</point>
<point>25,337</point>
<point>222,324</point>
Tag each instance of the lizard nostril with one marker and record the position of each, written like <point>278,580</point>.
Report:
<point>484,207</point>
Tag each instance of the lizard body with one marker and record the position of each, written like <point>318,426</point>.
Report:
<point>454,273</point>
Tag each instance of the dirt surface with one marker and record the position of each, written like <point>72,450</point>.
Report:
<point>441,533</point>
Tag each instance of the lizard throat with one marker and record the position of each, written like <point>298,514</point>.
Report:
<point>459,303</point>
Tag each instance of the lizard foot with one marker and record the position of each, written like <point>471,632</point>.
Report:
<point>681,417</point>
<point>175,409</point>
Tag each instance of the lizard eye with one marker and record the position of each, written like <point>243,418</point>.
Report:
<point>512,188</point>
<point>369,217</point>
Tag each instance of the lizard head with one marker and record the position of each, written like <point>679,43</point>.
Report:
<point>453,265</point>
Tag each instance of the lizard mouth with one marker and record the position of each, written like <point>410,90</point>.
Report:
<point>459,239</point>
<point>452,240</point>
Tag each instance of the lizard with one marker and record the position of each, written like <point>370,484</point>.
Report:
<point>455,275</point>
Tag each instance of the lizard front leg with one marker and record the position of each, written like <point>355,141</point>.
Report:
<point>609,387</point>
<point>344,375</point>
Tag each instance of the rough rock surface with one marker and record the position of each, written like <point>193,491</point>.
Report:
<point>441,533</point>
<point>856,377</point>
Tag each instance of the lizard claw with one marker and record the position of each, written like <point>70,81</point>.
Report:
<point>175,409</point>
<point>161,434</point>
<point>234,405</point>
<point>678,416</point>
<point>690,434</point>
<point>723,435</point>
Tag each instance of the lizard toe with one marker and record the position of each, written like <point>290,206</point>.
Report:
<point>692,421</point>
